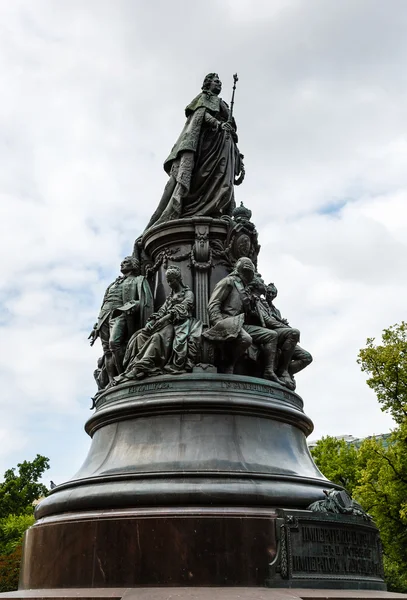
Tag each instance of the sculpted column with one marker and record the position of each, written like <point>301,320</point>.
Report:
<point>202,263</point>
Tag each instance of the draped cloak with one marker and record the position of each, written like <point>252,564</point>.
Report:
<point>204,162</point>
<point>173,347</point>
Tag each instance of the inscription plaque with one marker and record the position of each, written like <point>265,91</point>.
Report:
<point>327,547</point>
<point>133,390</point>
<point>261,388</point>
<point>142,388</point>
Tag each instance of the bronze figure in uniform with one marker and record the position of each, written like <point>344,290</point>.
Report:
<point>232,320</point>
<point>291,359</point>
<point>126,306</point>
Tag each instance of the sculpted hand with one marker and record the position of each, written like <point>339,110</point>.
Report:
<point>93,336</point>
<point>149,327</point>
<point>227,127</point>
<point>132,310</point>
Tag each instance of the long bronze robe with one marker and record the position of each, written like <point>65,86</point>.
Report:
<point>203,163</point>
<point>173,347</point>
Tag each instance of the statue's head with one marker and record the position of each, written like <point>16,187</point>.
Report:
<point>173,275</point>
<point>246,269</point>
<point>212,83</point>
<point>130,264</point>
<point>271,292</point>
<point>258,286</point>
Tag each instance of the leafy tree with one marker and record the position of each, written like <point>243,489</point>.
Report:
<point>10,570</point>
<point>338,461</point>
<point>12,529</point>
<point>376,474</point>
<point>383,494</point>
<point>383,485</point>
<point>19,490</point>
<point>386,366</point>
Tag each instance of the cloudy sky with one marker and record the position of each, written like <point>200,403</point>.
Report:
<point>92,100</point>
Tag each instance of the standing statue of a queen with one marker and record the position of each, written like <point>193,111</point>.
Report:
<point>205,163</point>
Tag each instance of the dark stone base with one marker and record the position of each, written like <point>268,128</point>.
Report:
<point>200,547</point>
<point>200,593</point>
<point>150,547</point>
<point>326,551</point>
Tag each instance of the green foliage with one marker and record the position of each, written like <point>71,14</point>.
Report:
<point>395,577</point>
<point>19,490</point>
<point>10,570</point>
<point>386,365</point>
<point>383,493</point>
<point>376,474</point>
<point>338,461</point>
<point>12,529</point>
<point>383,484</point>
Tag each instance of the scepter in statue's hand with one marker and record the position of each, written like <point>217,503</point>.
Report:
<point>232,102</point>
<point>238,180</point>
<point>228,125</point>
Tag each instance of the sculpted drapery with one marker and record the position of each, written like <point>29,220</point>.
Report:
<point>204,162</point>
<point>169,343</point>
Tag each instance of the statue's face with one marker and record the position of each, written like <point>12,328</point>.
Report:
<point>215,85</point>
<point>172,278</point>
<point>126,266</point>
<point>246,270</point>
<point>260,287</point>
<point>271,293</point>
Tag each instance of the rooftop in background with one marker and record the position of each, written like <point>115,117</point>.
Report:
<point>350,439</point>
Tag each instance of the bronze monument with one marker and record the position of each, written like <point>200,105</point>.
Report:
<point>198,472</point>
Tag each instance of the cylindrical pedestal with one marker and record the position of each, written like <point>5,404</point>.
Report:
<point>195,439</point>
<point>199,479</point>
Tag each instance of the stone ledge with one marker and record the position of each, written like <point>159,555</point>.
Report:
<point>199,393</point>
<point>219,382</point>
<point>202,593</point>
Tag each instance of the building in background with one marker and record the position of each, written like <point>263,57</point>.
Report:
<point>350,439</point>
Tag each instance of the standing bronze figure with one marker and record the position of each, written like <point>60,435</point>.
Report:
<point>126,306</point>
<point>205,163</point>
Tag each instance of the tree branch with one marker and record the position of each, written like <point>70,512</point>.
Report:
<point>386,458</point>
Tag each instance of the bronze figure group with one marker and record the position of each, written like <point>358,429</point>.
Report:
<point>240,331</point>
<point>140,343</point>
<point>243,317</point>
